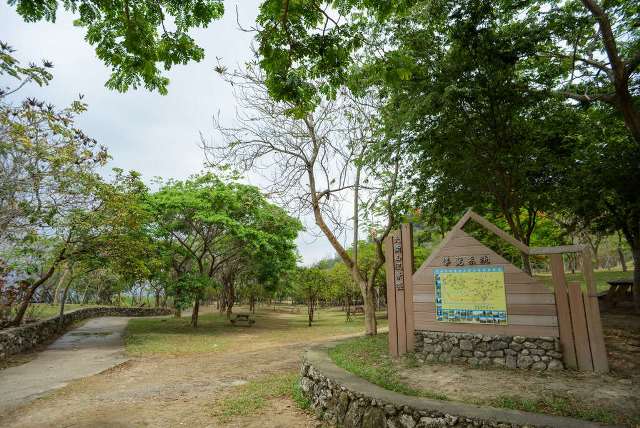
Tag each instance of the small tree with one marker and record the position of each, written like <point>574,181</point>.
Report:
<point>308,286</point>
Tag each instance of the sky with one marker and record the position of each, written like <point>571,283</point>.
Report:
<point>153,134</point>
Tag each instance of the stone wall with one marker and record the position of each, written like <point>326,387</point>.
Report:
<point>19,339</point>
<point>477,350</point>
<point>345,400</point>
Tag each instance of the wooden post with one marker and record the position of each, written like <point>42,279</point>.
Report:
<point>592,312</point>
<point>407,262</point>
<point>579,324</point>
<point>563,311</point>
<point>399,267</point>
<point>391,296</point>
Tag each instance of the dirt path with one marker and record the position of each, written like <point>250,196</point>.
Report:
<point>95,346</point>
<point>180,390</point>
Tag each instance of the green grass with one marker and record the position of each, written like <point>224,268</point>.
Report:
<point>368,358</point>
<point>148,336</point>
<point>252,397</point>
<point>601,278</point>
<point>46,310</point>
<point>556,405</point>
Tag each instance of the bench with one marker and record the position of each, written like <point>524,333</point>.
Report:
<point>242,320</point>
<point>619,289</point>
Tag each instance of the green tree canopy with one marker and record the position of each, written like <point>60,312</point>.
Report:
<point>135,38</point>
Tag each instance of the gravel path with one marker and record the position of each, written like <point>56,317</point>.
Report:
<point>92,348</point>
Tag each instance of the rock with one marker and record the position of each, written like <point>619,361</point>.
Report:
<point>555,365</point>
<point>485,362</point>
<point>478,354</point>
<point>495,354</point>
<point>525,352</point>
<point>510,352</point>
<point>511,361</point>
<point>537,351</point>
<point>374,418</point>
<point>474,362</point>
<point>524,361</point>
<point>428,348</point>
<point>444,358</point>
<point>547,346</point>
<point>427,422</point>
<point>529,345</point>
<point>437,349</point>
<point>467,354</point>
<point>515,346</point>
<point>536,358</point>
<point>455,352</point>
<point>540,365</point>
<point>353,418</point>
<point>342,406</point>
<point>447,346</point>
<point>554,354</point>
<point>519,339</point>
<point>500,362</point>
<point>466,345</point>
<point>389,410</point>
<point>402,421</point>
<point>306,384</point>
<point>494,346</point>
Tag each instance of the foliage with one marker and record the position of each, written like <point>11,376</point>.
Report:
<point>134,37</point>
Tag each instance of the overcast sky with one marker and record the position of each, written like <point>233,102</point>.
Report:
<point>150,133</point>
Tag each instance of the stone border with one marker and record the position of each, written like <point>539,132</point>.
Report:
<point>481,350</point>
<point>343,399</point>
<point>19,339</point>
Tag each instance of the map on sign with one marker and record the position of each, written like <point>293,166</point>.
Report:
<point>471,295</point>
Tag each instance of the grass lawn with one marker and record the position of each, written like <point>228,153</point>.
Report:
<point>368,358</point>
<point>602,276</point>
<point>253,397</point>
<point>148,336</point>
<point>46,310</point>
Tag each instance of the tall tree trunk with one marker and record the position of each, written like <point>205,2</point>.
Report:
<point>623,262</point>
<point>194,313</point>
<point>230,300</point>
<point>526,263</point>
<point>64,299</point>
<point>636,276</point>
<point>370,323</point>
<point>17,320</point>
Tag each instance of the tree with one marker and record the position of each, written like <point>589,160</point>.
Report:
<point>311,160</point>
<point>595,49</point>
<point>134,37</point>
<point>211,226</point>
<point>308,286</point>
<point>607,159</point>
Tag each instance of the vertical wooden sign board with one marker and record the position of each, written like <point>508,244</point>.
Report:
<point>399,267</point>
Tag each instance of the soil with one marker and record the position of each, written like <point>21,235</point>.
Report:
<point>170,391</point>
<point>617,391</point>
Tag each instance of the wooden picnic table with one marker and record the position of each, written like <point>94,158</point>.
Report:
<point>618,290</point>
<point>242,319</point>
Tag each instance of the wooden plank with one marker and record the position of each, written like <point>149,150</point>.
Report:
<point>556,250</point>
<point>407,261</point>
<point>594,323</point>
<point>531,299</point>
<point>509,288</point>
<point>512,299</point>
<point>532,320</point>
<point>579,324</point>
<point>401,322</point>
<point>425,275</point>
<point>564,314</point>
<point>391,297</point>
<point>508,330</point>
<point>497,231</point>
<point>430,307</point>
